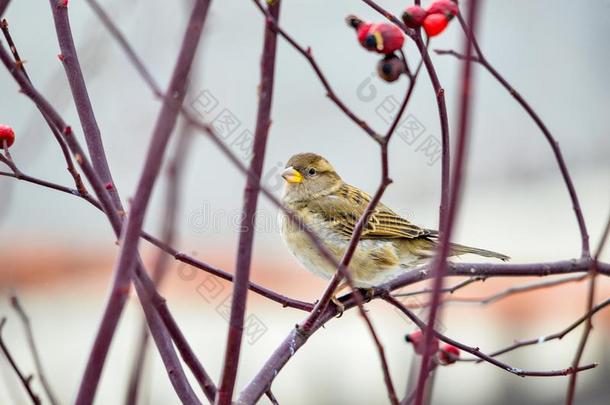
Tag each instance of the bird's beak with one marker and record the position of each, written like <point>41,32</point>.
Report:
<point>291,175</point>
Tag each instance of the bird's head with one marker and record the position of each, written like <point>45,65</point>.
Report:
<point>309,176</point>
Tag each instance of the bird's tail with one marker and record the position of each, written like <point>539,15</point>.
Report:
<point>461,249</point>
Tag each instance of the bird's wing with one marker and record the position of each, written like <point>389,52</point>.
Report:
<point>344,208</point>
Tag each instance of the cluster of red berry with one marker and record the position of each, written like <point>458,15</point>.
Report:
<point>6,134</point>
<point>434,20</point>
<point>387,38</point>
<point>446,353</point>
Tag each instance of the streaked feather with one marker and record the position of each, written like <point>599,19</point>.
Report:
<point>344,208</point>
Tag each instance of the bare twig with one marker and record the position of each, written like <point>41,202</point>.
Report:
<point>296,338</point>
<point>272,397</point>
<point>482,60</point>
<point>27,326</point>
<point>128,254</point>
<point>3,6</point>
<point>286,302</point>
<point>484,357</point>
<point>173,182</point>
<point>141,68</point>
<point>588,324</point>
<point>120,38</point>
<point>25,381</point>
<point>449,290</point>
<point>308,54</point>
<point>509,292</point>
<point>555,336</point>
<point>447,222</point>
<point>166,350</point>
<point>308,326</point>
<point>78,182</point>
<point>440,101</point>
<point>80,94</point>
<point>248,216</point>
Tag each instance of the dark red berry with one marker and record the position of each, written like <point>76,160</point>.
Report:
<point>413,16</point>
<point>448,354</point>
<point>380,37</point>
<point>384,38</point>
<point>390,68</point>
<point>446,7</point>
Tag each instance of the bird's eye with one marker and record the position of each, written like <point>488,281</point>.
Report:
<point>311,171</point>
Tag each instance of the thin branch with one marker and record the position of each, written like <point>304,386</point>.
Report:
<point>173,189</point>
<point>209,130</point>
<point>308,326</point>
<point>475,351</point>
<point>440,102</point>
<point>3,6</point>
<point>248,214</point>
<point>449,290</point>
<point>124,44</point>
<point>78,182</point>
<point>448,220</point>
<point>80,94</point>
<point>27,326</point>
<point>308,54</point>
<point>589,322</point>
<point>127,258</point>
<point>285,301</point>
<point>555,336</point>
<point>175,372</point>
<point>511,291</point>
<point>482,60</point>
<point>25,381</point>
<point>272,397</point>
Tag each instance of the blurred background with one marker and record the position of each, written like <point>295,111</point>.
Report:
<point>57,252</point>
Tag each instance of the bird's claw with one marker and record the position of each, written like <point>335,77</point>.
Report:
<point>339,305</point>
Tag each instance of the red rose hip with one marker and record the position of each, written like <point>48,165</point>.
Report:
<point>448,354</point>
<point>434,24</point>
<point>382,38</point>
<point>6,134</point>
<point>416,338</point>
<point>414,16</point>
<point>445,7</point>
